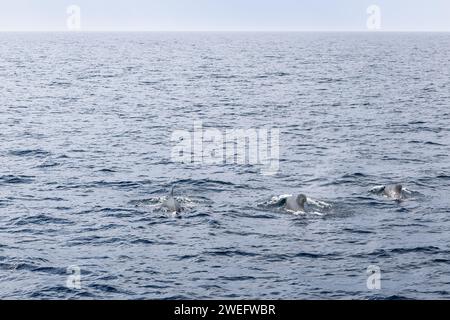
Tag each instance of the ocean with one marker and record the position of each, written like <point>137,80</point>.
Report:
<point>87,159</point>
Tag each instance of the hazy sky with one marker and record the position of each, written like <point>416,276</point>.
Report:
<point>126,15</point>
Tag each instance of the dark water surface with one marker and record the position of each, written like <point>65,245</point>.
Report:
<point>86,122</point>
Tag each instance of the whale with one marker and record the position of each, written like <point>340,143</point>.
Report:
<point>171,204</point>
<point>394,191</point>
<point>296,203</point>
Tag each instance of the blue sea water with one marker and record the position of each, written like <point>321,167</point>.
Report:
<point>85,137</point>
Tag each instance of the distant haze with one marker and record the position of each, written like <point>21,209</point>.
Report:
<point>226,15</point>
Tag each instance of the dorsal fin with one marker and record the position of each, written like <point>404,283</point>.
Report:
<point>171,191</point>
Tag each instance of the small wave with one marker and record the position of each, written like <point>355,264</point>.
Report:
<point>230,253</point>
<point>59,84</point>
<point>119,184</point>
<point>429,249</point>
<point>237,278</point>
<point>29,153</point>
<point>38,265</point>
<point>358,231</point>
<point>41,219</point>
<point>329,80</point>
<point>288,257</point>
<point>107,170</point>
<point>313,255</point>
<point>441,260</point>
<point>95,240</point>
<point>11,179</point>
<point>50,270</point>
<point>105,288</point>
<point>143,241</point>
<point>186,257</point>
<point>390,298</point>
<point>48,164</point>
<point>207,183</point>
<point>390,252</point>
<point>353,178</point>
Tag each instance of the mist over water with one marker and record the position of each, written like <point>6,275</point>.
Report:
<point>85,130</point>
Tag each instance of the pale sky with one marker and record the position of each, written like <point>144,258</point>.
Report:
<point>215,15</point>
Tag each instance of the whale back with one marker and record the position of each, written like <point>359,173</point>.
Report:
<point>296,203</point>
<point>394,191</point>
<point>171,203</point>
<point>301,200</point>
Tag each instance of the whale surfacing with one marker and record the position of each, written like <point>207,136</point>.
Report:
<point>296,203</point>
<point>393,191</point>
<point>171,204</point>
